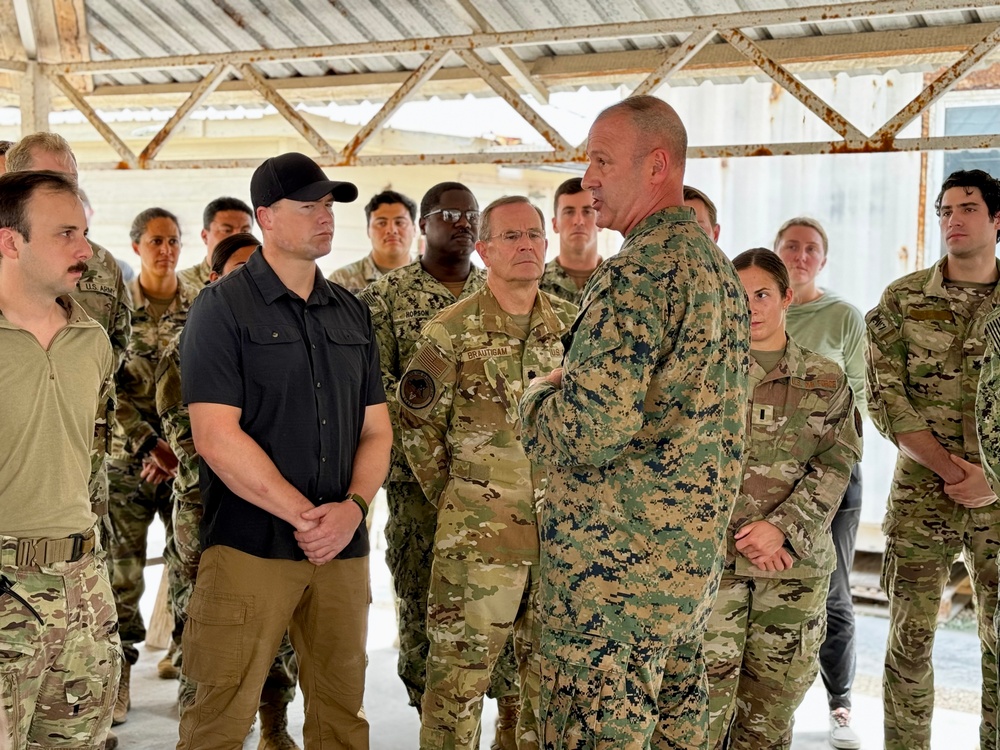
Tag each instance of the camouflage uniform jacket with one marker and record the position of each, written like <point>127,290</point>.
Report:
<point>643,443</point>
<point>804,437</point>
<point>401,303</point>
<point>988,402</point>
<point>357,275</point>
<point>137,417</point>
<point>103,294</point>
<point>175,422</point>
<point>556,281</point>
<point>923,359</point>
<point>196,277</point>
<point>459,426</point>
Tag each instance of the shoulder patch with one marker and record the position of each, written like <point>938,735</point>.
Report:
<point>993,332</point>
<point>417,389</point>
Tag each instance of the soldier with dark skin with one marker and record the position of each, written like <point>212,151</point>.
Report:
<point>926,339</point>
<point>641,436</point>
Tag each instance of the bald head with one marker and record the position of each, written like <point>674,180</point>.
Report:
<point>656,123</point>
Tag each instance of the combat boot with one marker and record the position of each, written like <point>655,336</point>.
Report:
<point>165,668</point>
<point>274,728</point>
<point>508,710</point>
<point>111,741</point>
<point>123,703</point>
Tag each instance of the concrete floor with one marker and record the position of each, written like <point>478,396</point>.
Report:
<point>152,723</point>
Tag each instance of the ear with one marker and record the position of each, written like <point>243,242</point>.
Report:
<point>555,224</point>
<point>715,232</point>
<point>484,253</point>
<point>213,277</point>
<point>823,264</point>
<point>204,236</point>
<point>8,242</point>
<point>135,248</point>
<point>423,225</point>
<point>263,214</point>
<point>659,165</point>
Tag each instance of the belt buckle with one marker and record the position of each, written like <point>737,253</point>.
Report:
<point>77,547</point>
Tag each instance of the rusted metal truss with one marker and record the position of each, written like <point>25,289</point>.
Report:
<point>699,31</point>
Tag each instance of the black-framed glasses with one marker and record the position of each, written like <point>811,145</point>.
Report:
<point>452,215</point>
<point>515,235</point>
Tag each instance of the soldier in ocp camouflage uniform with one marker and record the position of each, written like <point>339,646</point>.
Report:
<point>142,463</point>
<point>460,433</point>
<point>641,434</point>
<point>925,342</point>
<point>222,217</point>
<point>988,402</point>
<point>401,303</point>
<point>279,686</point>
<point>804,435</point>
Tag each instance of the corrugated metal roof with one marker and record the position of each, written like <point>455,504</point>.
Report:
<point>128,29</point>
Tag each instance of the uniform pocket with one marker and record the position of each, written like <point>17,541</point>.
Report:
<point>583,680</point>
<point>15,662</point>
<point>214,638</point>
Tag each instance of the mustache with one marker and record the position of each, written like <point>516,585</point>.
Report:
<point>78,267</point>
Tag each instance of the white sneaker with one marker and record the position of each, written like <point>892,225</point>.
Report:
<point>842,736</point>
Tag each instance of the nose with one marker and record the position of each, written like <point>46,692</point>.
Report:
<point>463,220</point>
<point>84,251</point>
<point>588,183</point>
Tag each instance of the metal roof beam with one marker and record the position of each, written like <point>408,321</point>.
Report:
<point>571,34</point>
<point>939,86</point>
<point>252,76</point>
<point>505,92</point>
<point>206,86</point>
<point>129,159</point>
<point>792,85</point>
<point>675,59</point>
<point>394,102</point>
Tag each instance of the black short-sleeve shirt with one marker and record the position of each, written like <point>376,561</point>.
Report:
<point>302,371</point>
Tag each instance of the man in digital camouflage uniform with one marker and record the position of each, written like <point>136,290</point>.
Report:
<point>575,220</point>
<point>925,342</point>
<point>59,647</point>
<point>641,433</point>
<point>401,303</point>
<point>279,685</point>
<point>460,433</point>
<point>391,228</point>
<point>221,218</point>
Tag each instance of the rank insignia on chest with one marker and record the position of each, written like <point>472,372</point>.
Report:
<point>763,414</point>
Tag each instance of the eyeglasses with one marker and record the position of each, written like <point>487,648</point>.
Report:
<point>515,235</point>
<point>452,215</point>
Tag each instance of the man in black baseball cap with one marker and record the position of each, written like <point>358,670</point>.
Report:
<point>282,379</point>
<point>295,177</point>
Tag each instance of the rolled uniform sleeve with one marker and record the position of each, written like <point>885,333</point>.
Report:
<point>599,408</point>
<point>426,395</point>
<point>807,512</point>
<point>889,405</point>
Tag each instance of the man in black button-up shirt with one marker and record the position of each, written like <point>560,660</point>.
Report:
<point>281,373</point>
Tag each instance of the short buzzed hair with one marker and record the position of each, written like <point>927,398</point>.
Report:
<point>572,186</point>
<point>225,203</point>
<point>485,223</point>
<point>694,194</point>
<point>432,198</point>
<point>16,189</point>
<point>20,154</point>
<point>657,123</point>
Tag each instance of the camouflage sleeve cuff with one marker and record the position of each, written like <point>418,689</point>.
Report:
<point>796,535</point>
<point>141,441</point>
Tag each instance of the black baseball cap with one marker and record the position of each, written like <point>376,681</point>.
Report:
<point>296,177</point>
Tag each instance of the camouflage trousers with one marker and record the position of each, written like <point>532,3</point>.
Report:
<point>58,681</point>
<point>597,692</point>
<point>183,555</point>
<point>762,654</point>
<point>473,610</point>
<point>916,567</point>
<point>409,536</point>
<point>132,505</point>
